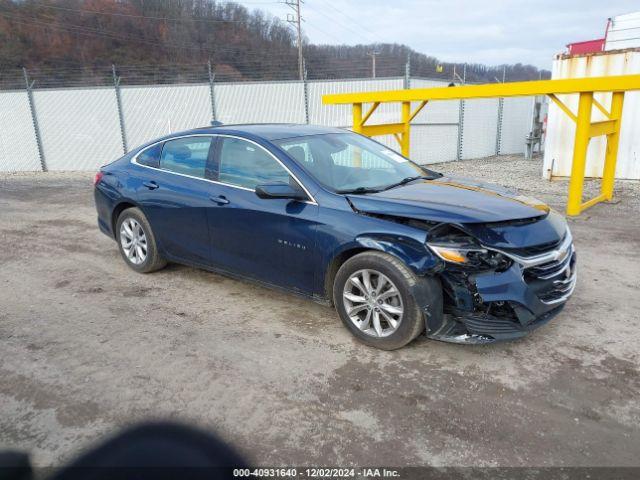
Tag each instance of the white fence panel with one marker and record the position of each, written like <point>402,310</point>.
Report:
<point>434,143</point>
<point>434,131</point>
<point>517,115</point>
<point>151,112</point>
<point>281,102</point>
<point>80,128</point>
<point>18,147</point>
<point>480,128</point>
<point>341,115</point>
<point>439,111</point>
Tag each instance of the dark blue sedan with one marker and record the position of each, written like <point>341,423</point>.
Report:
<point>398,249</point>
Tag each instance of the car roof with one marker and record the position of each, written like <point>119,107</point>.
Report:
<point>269,131</point>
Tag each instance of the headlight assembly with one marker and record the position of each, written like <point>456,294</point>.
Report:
<point>469,255</point>
<point>461,254</point>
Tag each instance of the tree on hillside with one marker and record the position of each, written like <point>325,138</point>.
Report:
<point>171,40</point>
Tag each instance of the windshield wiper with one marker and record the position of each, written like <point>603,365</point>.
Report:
<point>360,190</point>
<point>404,181</point>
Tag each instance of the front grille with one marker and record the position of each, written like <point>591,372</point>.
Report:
<point>489,325</point>
<point>550,272</point>
<point>558,292</point>
<point>553,282</point>
<point>534,249</point>
<point>550,269</point>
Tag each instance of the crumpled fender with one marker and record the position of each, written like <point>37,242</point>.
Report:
<point>428,294</point>
<point>427,291</point>
<point>414,254</point>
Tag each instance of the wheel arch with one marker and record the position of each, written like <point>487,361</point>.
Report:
<point>334,265</point>
<point>412,253</point>
<point>120,207</point>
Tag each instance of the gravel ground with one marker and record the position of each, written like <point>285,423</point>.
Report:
<point>525,175</point>
<point>88,346</point>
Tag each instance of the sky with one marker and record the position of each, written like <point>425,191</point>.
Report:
<point>492,32</point>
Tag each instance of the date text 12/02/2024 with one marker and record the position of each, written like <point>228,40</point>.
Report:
<point>316,473</point>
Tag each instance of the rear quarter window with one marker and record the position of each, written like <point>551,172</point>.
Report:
<point>186,156</point>
<point>150,157</point>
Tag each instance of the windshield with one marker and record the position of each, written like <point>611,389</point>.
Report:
<point>351,163</point>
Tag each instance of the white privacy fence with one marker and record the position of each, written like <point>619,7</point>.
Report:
<point>83,128</point>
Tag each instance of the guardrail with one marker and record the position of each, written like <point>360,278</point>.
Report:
<point>585,128</point>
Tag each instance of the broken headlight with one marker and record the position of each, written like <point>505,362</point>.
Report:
<point>469,254</point>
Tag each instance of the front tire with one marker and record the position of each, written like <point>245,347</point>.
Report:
<point>373,293</point>
<point>137,243</point>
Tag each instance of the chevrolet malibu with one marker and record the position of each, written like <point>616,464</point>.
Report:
<point>397,249</point>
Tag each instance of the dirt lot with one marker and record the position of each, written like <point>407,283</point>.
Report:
<point>88,346</point>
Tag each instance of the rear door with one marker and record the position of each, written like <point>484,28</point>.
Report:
<point>176,196</point>
<point>272,240</point>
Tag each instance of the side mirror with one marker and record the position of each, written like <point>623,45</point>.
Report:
<point>280,190</point>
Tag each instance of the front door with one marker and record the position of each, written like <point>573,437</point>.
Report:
<point>272,240</point>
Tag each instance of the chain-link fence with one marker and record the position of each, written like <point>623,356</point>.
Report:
<point>95,119</point>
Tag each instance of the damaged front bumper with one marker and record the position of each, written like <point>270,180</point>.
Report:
<point>494,306</point>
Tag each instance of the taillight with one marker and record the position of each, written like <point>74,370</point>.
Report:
<point>97,178</point>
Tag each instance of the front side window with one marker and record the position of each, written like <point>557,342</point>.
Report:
<point>245,164</point>
<point>187,156</point>
<point>345,162</point>
<point>299,151</point>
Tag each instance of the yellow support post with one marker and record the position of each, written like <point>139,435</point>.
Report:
<point>406,120</point>
<point>357,127</point>
<point>606,127</point>
<point>601,108</point>
<point>370,112</point>
<point>563,107</point>
<point>357,117</point>
<point>418,110</point>
<point>382,129</point>
<point>585,129</point>
<point>613,139</point>
<point>616,83</point>
<point>581,143</point>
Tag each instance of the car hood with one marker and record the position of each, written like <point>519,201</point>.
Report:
<point>451,200</point>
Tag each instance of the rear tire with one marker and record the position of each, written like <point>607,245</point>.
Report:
<point>389,295</point>
<point>137,242</point>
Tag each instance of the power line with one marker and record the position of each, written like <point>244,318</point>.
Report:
<point>323,32</point>
<point>337,21</point>
<point>358,22</point>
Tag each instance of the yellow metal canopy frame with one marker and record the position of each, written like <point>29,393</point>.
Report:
<point>585,128</point>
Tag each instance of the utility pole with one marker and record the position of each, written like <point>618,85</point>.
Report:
<point>295,19</point>
<point>373,55</point>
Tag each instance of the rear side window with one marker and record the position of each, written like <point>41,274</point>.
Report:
<point>247,165</point>
<point>151,156</point>
<point>187,156</point>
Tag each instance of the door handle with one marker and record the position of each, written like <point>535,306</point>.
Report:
<point>151,185</point>
<point>220,200</point>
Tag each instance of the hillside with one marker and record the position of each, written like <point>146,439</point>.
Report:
<point>76,41</point>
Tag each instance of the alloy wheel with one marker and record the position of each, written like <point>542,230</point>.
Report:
<point>373,303</point>
<point>133,241</point>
